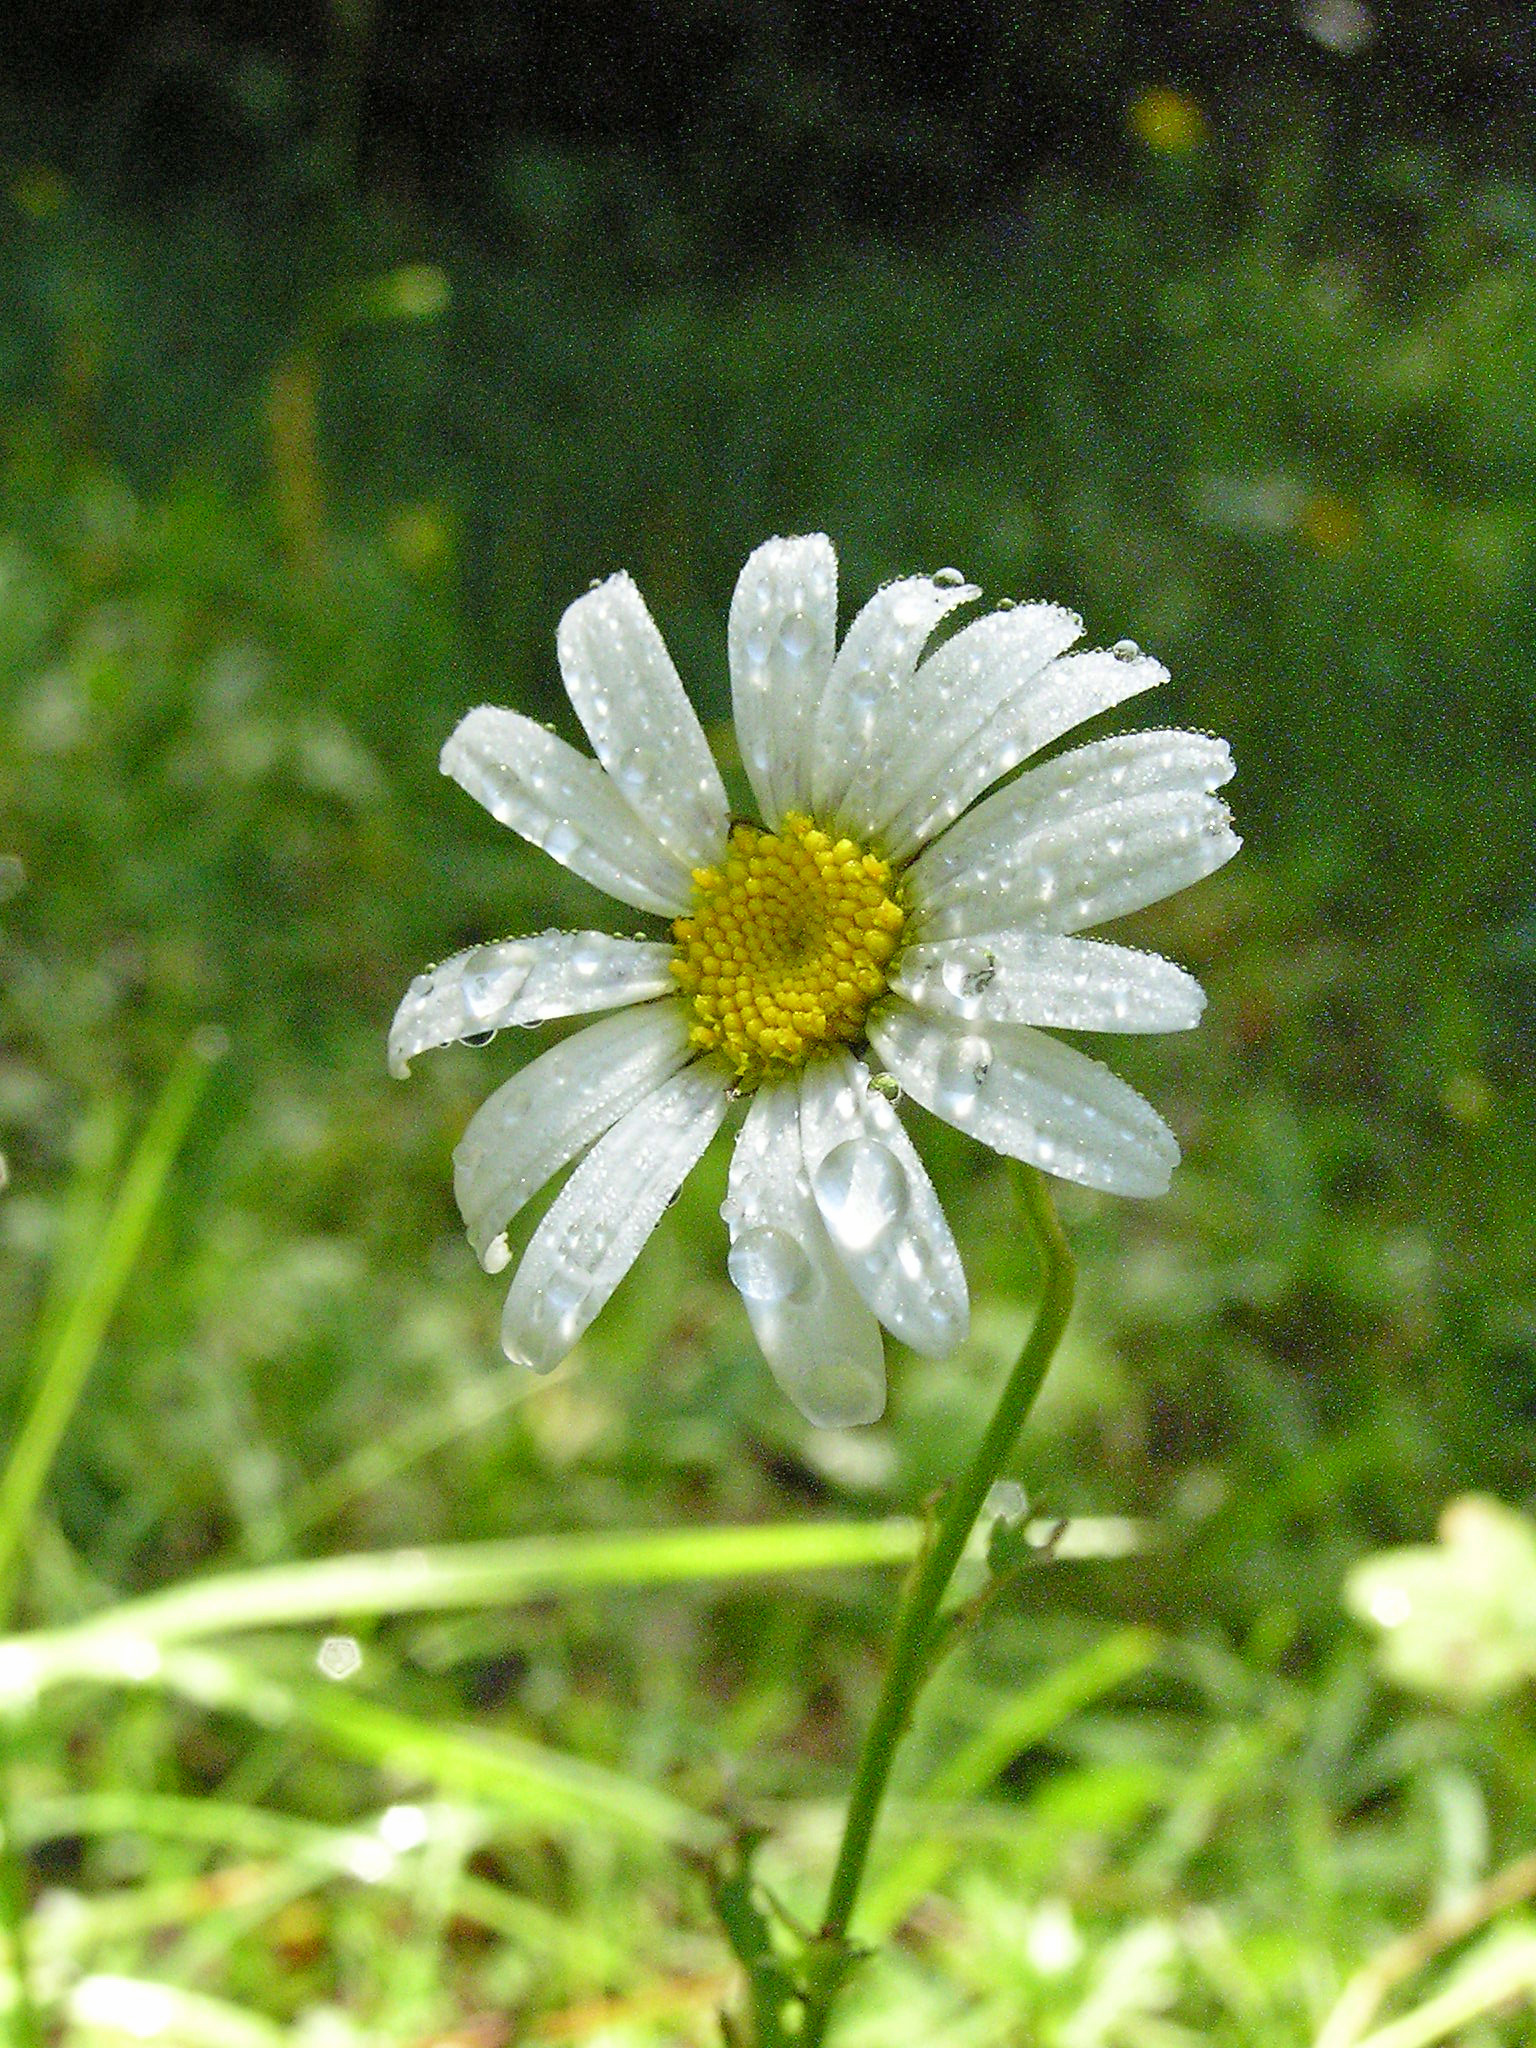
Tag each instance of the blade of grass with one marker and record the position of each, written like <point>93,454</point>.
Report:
<point>554,1791</point>
<point>361,1852</point>
<point>71,1338</point>
<point>65,1365</point>
<point>464,1575</point>
<point>140,2009</point>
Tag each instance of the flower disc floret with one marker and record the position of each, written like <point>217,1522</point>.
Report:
<point>785,946</point>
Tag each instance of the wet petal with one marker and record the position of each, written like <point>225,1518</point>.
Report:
<point>1035,977</point>
<point>879,1207</point>
<point>553,1108</point>
<point>642,727</point>
<point>820,1340</point>
<point>524,981</point>
<point>1029,1096</point>
<point>598,1222</point>
<point>1001,708</point>
<point>1095,834</point>
<point>869,707</point>
<point>565,803</point>
<point>783,632</point>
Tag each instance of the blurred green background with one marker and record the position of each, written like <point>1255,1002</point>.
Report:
<point>337,355</point>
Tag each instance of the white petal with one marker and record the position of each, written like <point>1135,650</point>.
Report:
<point>603,1215</point>
<point>1031,1097</point>
<point>553,1108</point>
<point>783,632</point>
<point>1033,705</point>
<point>867,711</point>
<point>821,1341</point>
<point>879,1207</point>
<point>1092,835</point>
<point>525,981</point>
<point>1034,977</point>
<point>562,801</point>
<point>643,729</point>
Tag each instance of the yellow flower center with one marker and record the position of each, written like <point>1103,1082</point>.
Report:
<point>786,945</point>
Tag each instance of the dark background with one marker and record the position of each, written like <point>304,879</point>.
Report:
<point>769,121</point>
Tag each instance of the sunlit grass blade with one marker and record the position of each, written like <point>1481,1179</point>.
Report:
<point>452,1576</point>
<point>365,1852</point>
<point>66,1364</point>
<point>541,1786</point>
<point>109,2009</point>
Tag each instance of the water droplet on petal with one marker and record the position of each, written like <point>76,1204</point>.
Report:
<point>862,1193</point>
<point>562,841</point>
<point>864,692</point>
<point>796,635</point>
<point>758,644</point>
<point>636,771</point>
<point>497,1255</point>
<point>1126,650</point>
<point>564,1294</point>
<point>962,1070</point>
<point>948,579</point>
<point>767,1266</point>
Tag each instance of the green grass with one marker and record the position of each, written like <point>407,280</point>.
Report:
<point>1282,436</point>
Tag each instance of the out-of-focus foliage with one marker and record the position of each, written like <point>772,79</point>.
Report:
<point>257,552</point>
<point>1457,1618</point>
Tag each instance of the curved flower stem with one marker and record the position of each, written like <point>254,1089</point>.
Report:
<point>911,1658</point>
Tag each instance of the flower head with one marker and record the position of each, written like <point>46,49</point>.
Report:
<point>879,930</point>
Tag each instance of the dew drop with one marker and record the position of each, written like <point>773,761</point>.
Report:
<point>497,1255</point>
<point>796,635</point>
<point>864,692</point>
<point>861,1192</point>
<point>636,771</point>
<point>767,1266</point>
<point>476,1038</point>
<point>758,644</point>
<point>948,579</point>
<point>565,1292</point>
<point>562,841</point>
<point>962,1070</point>
<point>587,957</point>
<point>1126,650</point>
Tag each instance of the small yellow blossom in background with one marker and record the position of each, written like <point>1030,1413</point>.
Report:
<point>39,192</point>
<point>1332,524</point>
<point>1169,122</point>
<point>1467,1098</point>
<point>418,538</point>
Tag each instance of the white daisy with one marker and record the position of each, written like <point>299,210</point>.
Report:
<point>879,917</point>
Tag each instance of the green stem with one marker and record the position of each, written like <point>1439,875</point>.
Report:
<point>915,1625</point>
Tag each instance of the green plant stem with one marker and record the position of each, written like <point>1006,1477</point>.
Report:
<point>915,1625</point>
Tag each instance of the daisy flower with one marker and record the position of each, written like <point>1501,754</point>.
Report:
<point>878,931</point>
